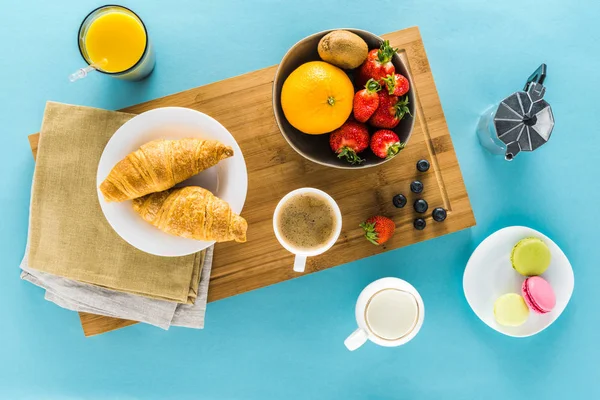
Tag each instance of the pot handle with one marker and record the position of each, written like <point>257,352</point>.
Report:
<point>538,76</point>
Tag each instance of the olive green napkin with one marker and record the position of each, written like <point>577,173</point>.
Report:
<point>70,236</point>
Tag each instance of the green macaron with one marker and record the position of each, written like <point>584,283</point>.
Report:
<point>530,257</point>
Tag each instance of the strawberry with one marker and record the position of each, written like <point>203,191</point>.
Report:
<point>386,144</point>
<point>378,64</point>
<point>349,140</point>
<point>390,111</point>
<point>366,101</point>
<point>378,229</point>
<point>397,84</point>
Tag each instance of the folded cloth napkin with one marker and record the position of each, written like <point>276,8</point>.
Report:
<point>69,236</point>
<point>78,296</point>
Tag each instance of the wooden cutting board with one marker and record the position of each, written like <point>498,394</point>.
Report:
<point>243,105</point>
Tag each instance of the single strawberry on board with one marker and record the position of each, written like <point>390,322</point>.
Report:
<point>397,84</point>
<point>378,229</point>
<point>390,111</point>
<point>366,101</point>
<point>385,143</point>
<point>378,64</point>
<point>349,140</point>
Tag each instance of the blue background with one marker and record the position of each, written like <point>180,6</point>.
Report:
<point>285,341</point>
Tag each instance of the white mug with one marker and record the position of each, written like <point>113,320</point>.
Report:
<point>301,256</point>
<point>384,305</point>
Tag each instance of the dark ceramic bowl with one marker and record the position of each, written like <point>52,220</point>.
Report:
<point>316,147</point>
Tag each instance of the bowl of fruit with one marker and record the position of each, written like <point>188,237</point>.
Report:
<point>343,98</point>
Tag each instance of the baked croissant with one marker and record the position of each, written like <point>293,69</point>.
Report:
<point>192,212</point>
<point>160,165</point>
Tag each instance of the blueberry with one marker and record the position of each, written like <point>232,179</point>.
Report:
<point>420,206</point>
<point>399,201</point>
<point>419,224</point>
<point>416,187</point>
<point>439,214</point>
<point>423,165</point>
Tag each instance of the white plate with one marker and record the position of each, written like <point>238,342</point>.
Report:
<point>489,274</point>
<point>227,180</point>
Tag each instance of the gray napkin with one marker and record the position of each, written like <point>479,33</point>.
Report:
<point>184,315</point>
<point>79,296</point>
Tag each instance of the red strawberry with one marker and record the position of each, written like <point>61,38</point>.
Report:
<point>366,101</point>
<point>386,144</point>
<point>349,140</point>
<point>391,110</point>
<point>378,229</point>
<point>378,64</point>
<point>397,84</point>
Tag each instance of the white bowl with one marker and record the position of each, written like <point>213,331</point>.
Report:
<point>228,180</point>
<point>489,274</point>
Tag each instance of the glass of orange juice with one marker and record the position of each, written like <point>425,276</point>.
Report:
<point>115,41</point>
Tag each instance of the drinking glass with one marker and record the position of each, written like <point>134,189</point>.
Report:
<point>141,68</point>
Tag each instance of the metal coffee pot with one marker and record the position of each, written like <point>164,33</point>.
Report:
<point>521,122</point>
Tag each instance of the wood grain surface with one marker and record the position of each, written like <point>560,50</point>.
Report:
<point>243,105</point>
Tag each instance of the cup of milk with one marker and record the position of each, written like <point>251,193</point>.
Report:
<point>389,312</point>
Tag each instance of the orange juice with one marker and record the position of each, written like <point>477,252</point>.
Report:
<point>116,37</point>
<point>114,41</point>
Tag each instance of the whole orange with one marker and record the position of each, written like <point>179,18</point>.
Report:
<point>317,97</point>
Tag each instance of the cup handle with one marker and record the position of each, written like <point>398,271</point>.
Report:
<point>356,339</point>
<point>299,263</point>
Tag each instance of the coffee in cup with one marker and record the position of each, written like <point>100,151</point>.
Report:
<point>307,222</point>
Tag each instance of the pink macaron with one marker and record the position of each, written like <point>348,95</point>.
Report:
<point>538,295</point>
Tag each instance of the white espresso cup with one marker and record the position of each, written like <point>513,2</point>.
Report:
<point>389,312</point>
<point>302,254</point>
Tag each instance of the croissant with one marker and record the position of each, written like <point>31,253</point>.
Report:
<point>192,212</point>
<point>160,165</point>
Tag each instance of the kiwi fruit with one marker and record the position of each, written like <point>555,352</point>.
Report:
<point>343,49</point>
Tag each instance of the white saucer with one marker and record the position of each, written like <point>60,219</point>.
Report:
<point>227,180</point>
<point>489,274</point>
